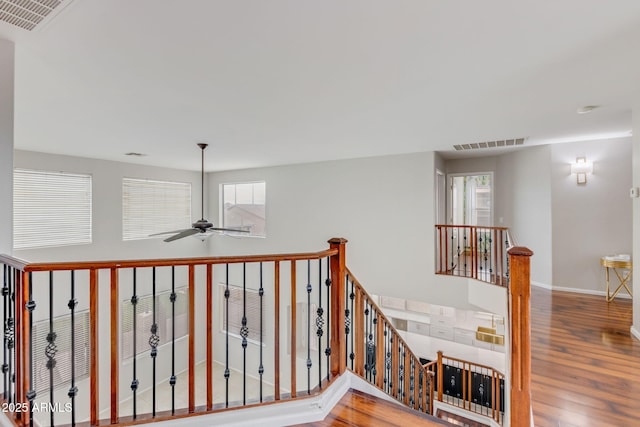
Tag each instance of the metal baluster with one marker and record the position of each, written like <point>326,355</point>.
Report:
<point>367,368</point>
<point>412,376</point>
<point>347,320</point>
<point>244,333</point>
<point>154,340</point>
<point>51,350</point>
<point>31,305</point>
<point>134,305</point>
<point>387,359</point>
<point>73,390</point>
<point>319,323</point>
<point>227,373</point>
<point>372,343</point>
<point>10,335</point>
<point>5,302</point>
<point>261,368</point>
<point>327,351</point>
<point>172,380</point>
<point>453,265</point>
<point>352,297</point>
<point>309,326</point>
<point>400,371</point>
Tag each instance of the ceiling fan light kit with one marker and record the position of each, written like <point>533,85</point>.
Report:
<point>202,228</point>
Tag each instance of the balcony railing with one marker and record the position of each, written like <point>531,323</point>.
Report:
<point>476,252</point>
<point>136,341</point>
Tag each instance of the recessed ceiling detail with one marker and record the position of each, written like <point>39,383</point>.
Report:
<point>28,14</point>
<point>490,144</point>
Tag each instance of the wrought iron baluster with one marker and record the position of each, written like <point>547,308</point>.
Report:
<point>373,340</point>
<point>52,349</point>
<point>261,367</point>
<point>412,385</point>
<point>347,320</point>
<point>154,340</point>
<point>31,305</point>
<point>134,305</point>
<point>172,380</point>
<point>227,373</point>
<point>5,313</point>
<point>10,336</point>
<point>319,323</point>
<point>327,352</point>
<point>309,364</point>
<point>73,390</point>
<point>387,360</point>
<point>367,367</point>
<point>401,373</point>
<point>352,297</point>
<point>244,333</point>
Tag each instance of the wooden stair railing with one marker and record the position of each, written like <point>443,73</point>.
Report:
<point>377,353</point>
<point>314,294</point>
<point>473,251</point>
<point>51,359</point>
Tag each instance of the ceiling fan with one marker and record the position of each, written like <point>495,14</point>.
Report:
<point>201,228</point>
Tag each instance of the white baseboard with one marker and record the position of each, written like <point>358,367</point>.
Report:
<point>542,285</point>
<point>576,290</point>
<point>635,333</point>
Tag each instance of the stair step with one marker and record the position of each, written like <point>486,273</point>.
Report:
<point>458,420</point>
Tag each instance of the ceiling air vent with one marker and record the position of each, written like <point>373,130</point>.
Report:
<point>28,14</point>
<point>490,144</point>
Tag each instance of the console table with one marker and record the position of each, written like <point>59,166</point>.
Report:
<point>622,267</point>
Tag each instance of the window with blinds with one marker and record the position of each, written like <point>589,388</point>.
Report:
<point>150,207</point>
<point>236,310</point>
<point>50,209</point>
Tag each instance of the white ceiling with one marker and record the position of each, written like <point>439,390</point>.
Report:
<point>289,81</point>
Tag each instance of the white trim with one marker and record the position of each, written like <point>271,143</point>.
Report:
<point>577,290</point>
<point>542,285</point>
<point>635,332</point>
<point>300,411</point>
<point>467,414</point>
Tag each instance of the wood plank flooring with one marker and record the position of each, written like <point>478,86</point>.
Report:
<point>361,409</point>
<point>585,364</point>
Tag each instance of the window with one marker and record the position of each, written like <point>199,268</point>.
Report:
<point>150,207</point>
<point>50,209</point>
<point>144,321</point>
<point>243,206</point>
<point>236,308</point>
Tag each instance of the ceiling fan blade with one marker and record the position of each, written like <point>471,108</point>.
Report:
<point>235,230</point>
<point>184,233</point>
<point>169,232</point>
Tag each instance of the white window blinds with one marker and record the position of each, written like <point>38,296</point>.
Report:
<point>150,207</point>
<point>50,209</point>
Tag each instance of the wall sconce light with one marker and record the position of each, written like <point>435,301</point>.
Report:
<point>581,168</point>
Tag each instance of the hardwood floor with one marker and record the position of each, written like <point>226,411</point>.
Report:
<point>360,409</point>
<point>585,364</point>
<point>585,369</point>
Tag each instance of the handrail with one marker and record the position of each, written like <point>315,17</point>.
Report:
<point>163,262</point>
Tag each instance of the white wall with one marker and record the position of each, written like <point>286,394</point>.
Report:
<point>591,220</point>
<point>382,205</point>
<point>525,204</point>
<point>7,57</point>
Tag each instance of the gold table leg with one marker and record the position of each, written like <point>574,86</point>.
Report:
<point>623,283</point>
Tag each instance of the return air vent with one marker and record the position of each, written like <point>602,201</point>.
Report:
<point>490,144</point>
<point>28,14</point>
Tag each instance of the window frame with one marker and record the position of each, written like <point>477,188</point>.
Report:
<point>78,182</point>
<point>223,222</point>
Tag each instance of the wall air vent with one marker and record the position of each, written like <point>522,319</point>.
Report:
<point>490,144</point>
<point>29,14</point>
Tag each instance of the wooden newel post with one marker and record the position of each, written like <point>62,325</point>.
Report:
<point>338,343</point>
<point>520,312</point>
